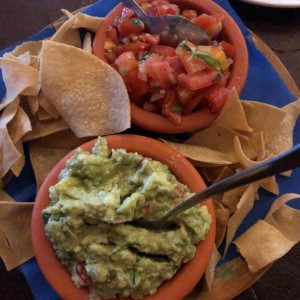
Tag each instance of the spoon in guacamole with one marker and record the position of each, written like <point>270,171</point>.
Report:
<point>278,164</point>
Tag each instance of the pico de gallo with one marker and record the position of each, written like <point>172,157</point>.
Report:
<point>166,80</point>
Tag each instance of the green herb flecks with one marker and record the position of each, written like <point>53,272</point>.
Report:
<point>184,45</point>
<point>217,77</point>
<point>208,59</point>
<point>176,108</point>
<point>133,271</point>
<point>138,23</point>
<point>183,243</point>
<point>124,247</point>
<point>144,55</point>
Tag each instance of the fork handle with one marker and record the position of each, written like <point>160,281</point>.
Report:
<point>285,161</point>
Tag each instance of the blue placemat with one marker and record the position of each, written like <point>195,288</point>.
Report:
<point>263,83</point>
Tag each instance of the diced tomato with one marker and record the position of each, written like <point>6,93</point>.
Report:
<point>197,81</point>
<point>229,49</point>
<point>192,64</point>
<point>189,14</point>
<point>171,107</point>
<point>175,63</point>
<point>126,62</point>
<point>131,26</point>
<point>163,50</point>
<point>152,39</point>
<point>216,96</point>
<point>168,9</point>
<point>190,105</point>
<point>136,47</point>
<point>83,275</point>
<point>209,23</point>
<point>136,87</point>
<point>160,71</point>
<point>127,13</point>
<point>184,95</point>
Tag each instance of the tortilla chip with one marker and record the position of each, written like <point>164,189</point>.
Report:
<point>82,20</point>
<point>19,164</point>
<point>43,115</point>
<point>232,114</point>
<point>66,35</point>
<point>33,48</point>
<point>87,43</point>
<point>222,217</point>
<point>43,128</point>
<point>261,116</point>
<point>90,90</point>
<point>15,237</point>
<point>9,153</point>
<point>210,269</point>
<point>62,139</point>
<point>285,218</point>
<point>269,183</point>
<point>282,140</point>
<point>220,138</point>
<point>201,156</point>
<point>44,159</point>
<point>19,125</point>
<point>262,244</point>
<point>18,79</point>
<point>9,112</point>
<point>33,103</point>
<point>243,208</point>
<point>5,197</point>
<point>46,104</point>
<point>231,198</point>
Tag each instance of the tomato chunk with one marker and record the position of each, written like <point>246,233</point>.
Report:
<point>83,275</point>
<point>131,26</point>
<point>192,64</point>
<point>136,47</point>
<point>126,62</point>
<point>197,81</point>
<point>136,87</point>
<point>210,24</point>
<point>216,96</point>
<point>171,107</point>
<point>163,50</point>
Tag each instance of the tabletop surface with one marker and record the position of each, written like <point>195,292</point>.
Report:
<point>278,27</point>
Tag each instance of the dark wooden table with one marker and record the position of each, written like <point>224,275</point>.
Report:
<point>279,28</point>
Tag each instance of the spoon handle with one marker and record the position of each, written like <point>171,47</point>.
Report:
<point>278,164</point>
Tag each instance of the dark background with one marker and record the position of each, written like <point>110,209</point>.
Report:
<point>279,28</point>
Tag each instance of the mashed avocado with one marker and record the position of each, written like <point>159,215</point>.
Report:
<point>97,194</point>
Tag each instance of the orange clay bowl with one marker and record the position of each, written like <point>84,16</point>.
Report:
<point>201,118</point>
<point>187,276</point>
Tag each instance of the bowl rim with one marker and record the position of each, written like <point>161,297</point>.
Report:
<point>201,118</point>
<point>187,276</point>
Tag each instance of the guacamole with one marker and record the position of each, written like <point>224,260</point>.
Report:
<point>88,222</point>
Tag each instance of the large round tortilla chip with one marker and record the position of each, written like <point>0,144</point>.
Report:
<point>89,94</point>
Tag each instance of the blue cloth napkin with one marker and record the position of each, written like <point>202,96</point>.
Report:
<point>263,84</point>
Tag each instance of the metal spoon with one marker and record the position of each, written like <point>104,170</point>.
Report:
<point>278,164</point>
<point>172,29</point>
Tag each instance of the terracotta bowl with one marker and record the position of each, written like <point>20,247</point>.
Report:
<point>184,280</point>
<point>201,118</point>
